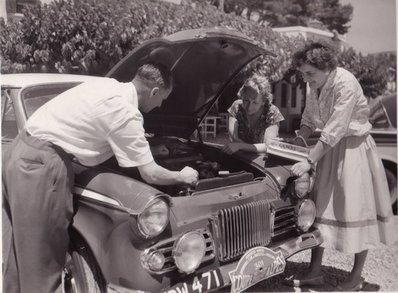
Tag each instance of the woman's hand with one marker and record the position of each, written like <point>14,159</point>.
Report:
<point>231,147</point>
<point>300,168</point>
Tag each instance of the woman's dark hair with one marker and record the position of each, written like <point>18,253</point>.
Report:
<point>319,55</point>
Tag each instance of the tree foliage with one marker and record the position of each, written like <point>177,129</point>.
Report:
<point>370,70</point>
<point>279,13</point>
<point>91,36</point>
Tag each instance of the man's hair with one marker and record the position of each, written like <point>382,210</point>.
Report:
<point>319,55</point>
<point>155,74</point>
<point>260,85</point>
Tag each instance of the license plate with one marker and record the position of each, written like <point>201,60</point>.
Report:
<point>257,264</point>
<point>199,284</point>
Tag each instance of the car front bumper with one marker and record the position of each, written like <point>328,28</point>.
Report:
<point>286,248</point>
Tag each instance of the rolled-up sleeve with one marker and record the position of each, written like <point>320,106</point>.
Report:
<point>275,116</point>
<point>126,134</point>
<point>345,97</point>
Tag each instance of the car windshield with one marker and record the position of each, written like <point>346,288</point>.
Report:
<point>383,112</point>
<point>36,96</point>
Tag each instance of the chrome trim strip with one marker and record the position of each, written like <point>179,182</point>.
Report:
<point>95,195</point>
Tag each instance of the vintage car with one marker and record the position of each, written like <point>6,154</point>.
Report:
<point>383,116</point>
<point>234,227</point>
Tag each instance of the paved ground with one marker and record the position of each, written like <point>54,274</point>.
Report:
<point>380,271</point>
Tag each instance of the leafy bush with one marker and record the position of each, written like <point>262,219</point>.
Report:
<point>91,36</point>
<point>370,71</point>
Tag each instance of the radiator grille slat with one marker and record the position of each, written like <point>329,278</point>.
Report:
<point>243,227</point>
<point>284,221</point>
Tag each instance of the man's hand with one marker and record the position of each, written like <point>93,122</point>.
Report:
<point>300,168</point>
<point>189,176</point>
<point>231,148</point>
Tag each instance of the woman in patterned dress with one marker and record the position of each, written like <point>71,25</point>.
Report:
<point>350,192</point>
<point>253,119</point>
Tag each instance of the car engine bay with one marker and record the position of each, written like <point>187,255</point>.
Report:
<point>215,168</point>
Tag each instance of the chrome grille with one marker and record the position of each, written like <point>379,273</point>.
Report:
<point>243,227</point>
<point>284,221</point>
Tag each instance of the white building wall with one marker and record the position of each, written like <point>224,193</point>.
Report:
<point>290,100</point>
<point>3,10</point>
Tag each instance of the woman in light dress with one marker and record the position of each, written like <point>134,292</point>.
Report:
<point>351,192</point>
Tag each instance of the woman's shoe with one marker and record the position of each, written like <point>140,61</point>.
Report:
<point>357,287</point>
<point>300,282</point>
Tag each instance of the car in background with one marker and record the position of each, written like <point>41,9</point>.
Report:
<point>235,227</point>
<point>383,117</point>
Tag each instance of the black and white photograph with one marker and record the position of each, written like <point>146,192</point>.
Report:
<point>194,146</point>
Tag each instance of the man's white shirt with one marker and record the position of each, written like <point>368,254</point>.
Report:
<point>94,121</point>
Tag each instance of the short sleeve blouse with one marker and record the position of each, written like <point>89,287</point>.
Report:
<point>340,110</point>
<point>269,117</point>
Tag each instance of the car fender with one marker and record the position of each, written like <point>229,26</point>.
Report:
<point>105,203</point>
<point>108,187</point>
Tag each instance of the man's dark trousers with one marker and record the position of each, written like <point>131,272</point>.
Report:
<point>38,204</point>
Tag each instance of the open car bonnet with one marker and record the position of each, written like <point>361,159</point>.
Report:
<point>202,61</point>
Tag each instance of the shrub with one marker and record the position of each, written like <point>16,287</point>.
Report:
<point>91,36</point>
<point>370,71</point>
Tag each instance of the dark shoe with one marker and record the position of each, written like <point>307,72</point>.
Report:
<point>357,287</point>
<point>300,282</point>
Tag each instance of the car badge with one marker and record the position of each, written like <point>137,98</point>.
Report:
<point>257,264</point>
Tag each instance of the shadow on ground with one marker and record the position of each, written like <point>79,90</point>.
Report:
<point>333,277</point>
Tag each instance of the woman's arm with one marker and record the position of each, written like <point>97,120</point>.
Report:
<point>314,156</point>
<point>233,129</point>
<point>233,147</point>
<point>238,145</point>
<point>271,133</point>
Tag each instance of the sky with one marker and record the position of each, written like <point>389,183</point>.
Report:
<point>373,26</point>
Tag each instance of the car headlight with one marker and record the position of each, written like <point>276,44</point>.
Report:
<point>153,260</point>
<point>305,214</point>
<point>154,219</point>
<point>303,185</point>
<point>189,251</point>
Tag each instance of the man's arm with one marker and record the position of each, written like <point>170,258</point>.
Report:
<point>152,173</point>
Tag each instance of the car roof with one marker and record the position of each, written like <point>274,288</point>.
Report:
<point>20,80</point>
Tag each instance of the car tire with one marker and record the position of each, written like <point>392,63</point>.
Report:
<point>81,273</point>
<point>392,186</point>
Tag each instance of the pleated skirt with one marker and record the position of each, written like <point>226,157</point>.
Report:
<point>352,197</point>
